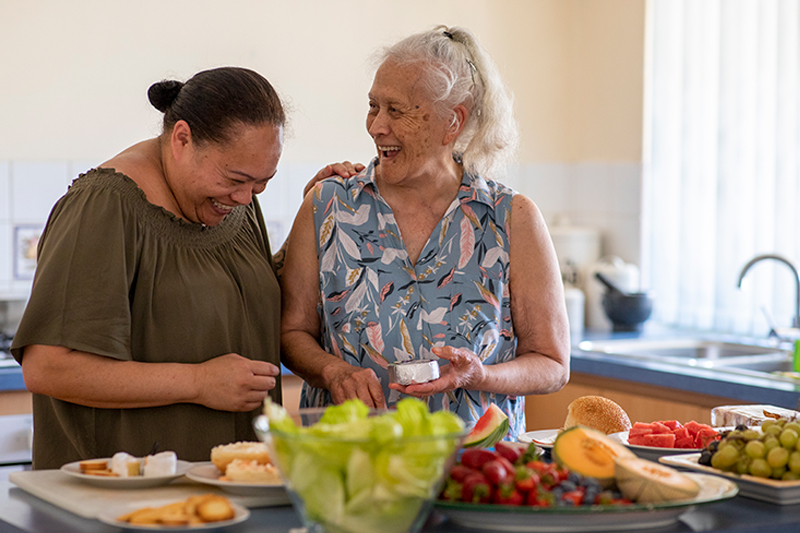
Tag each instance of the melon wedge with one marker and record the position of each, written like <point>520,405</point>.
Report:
<point>589,452</point>
<point>644,481</point>
<point>489,429</point>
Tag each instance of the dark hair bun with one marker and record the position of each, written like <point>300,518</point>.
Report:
<point>161,94</point>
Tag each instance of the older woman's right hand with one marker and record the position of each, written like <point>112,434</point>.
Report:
<point>347,381</point>
<point>234,383</point>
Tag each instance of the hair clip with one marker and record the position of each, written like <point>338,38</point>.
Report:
<point>448,34</point>
<point>472,70</point>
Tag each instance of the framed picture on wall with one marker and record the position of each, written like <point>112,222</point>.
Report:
<point>26,241</point>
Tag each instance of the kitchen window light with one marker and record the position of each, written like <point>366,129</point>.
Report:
<point>721,160</point>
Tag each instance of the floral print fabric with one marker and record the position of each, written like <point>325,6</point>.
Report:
<point>377,308</point>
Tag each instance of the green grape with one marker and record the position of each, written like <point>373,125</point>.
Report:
<point>771,441</point>
<point>794,462</point>
<point>743,465</point>
<point>759,468</point>
<point>774,429</point>
<point>790,476</point>
<point>726,457</point>
<point>777,473</point>
<point>788,438</point>
<point>793,425</point>
<point>751,434</point>
<point>755,449</point>
<point>767,423</point>
<point>778,457</point>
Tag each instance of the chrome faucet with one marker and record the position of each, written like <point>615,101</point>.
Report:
<point>780,258</point>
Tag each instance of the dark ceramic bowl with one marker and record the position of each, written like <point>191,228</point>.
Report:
<point>627,312</point>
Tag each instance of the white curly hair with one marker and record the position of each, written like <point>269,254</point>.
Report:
<point>460,71</point>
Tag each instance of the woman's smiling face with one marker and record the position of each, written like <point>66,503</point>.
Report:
<point>408,132</point>
<point>219,177</point>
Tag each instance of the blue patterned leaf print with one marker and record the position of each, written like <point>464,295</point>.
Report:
<point>354,219</point>
<point>494,255</point>
<point>386,290</point>
<point>446,279</point>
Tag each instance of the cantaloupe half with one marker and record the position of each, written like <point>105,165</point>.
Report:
<point>644,481</point>
<point>589,452</point>
<point>490,429</point>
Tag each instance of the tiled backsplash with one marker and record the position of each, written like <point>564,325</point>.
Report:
<point>606,196</point>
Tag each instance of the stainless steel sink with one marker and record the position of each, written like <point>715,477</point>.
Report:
<point>690,348</point>
<point>734,356</point>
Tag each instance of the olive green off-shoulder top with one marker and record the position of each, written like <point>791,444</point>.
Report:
<point>122,278</point>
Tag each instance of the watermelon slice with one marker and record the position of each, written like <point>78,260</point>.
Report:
<point>489,429</point>
<point>664,440</point>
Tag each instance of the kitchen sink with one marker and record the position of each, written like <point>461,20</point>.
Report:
<point>681,349</point>
<point>733,356</point>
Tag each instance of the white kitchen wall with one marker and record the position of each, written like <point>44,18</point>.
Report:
<point>602,195</point>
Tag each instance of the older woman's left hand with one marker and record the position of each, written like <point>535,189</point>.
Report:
<point>465,371</point>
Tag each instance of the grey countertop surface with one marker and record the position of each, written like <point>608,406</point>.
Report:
<point>23,512</point>
<point>747,389</point>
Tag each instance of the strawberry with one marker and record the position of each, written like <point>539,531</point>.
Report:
<point>477,457</point>
<point>476,489</point>
<point>496,472</point>
<point>507,494</point>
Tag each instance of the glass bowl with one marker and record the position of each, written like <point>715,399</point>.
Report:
<point>344,484</point>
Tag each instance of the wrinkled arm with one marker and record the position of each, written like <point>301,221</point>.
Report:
<point>300,323</point>
<point>538,309</point>
<point>229,382</point>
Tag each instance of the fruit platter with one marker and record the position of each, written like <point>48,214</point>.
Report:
<point>764,460</point>
<point>589,483</point>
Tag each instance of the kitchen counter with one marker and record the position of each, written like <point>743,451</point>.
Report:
<point>745,389</point>
<point>22,512</point>
<point>690,379</point>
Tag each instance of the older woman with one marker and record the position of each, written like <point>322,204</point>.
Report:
<point>154,314</point>
<point>422,255</point>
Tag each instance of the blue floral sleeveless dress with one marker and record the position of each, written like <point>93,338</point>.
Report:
<point>377,308</point>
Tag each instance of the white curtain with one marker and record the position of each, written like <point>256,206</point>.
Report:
<point>722,161</point>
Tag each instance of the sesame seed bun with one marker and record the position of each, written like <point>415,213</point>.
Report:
<point>597,413</point>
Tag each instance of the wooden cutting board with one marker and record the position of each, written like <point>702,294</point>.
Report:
<point>71,494</point>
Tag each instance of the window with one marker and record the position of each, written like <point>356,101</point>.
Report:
<point>722,161</point>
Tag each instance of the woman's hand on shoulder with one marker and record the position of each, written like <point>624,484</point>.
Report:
<point>345,169</point>
<point>465,371</point>
<point>231,382</point>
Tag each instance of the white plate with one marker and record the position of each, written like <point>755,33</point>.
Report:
<point>768,490</point>
<point>651,453</point>
<point>585,518</point>
<point>133,482</point>
<point>209,474</point>
<point>543,437</point>
<point>109,517</point>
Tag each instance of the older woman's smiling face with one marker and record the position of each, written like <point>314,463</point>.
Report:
<point>408,132</point>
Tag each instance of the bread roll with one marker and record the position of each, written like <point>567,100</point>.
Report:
<point>597,413</point>
<point>223,454</point>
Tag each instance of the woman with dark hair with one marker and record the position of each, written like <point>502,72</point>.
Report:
<point>154,314</point>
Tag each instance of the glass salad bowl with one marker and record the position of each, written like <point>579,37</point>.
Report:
<point>350,469</point>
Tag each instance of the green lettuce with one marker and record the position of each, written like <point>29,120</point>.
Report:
<point>352,472</point>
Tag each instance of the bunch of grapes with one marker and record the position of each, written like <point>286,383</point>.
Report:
<point>773,451</point>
